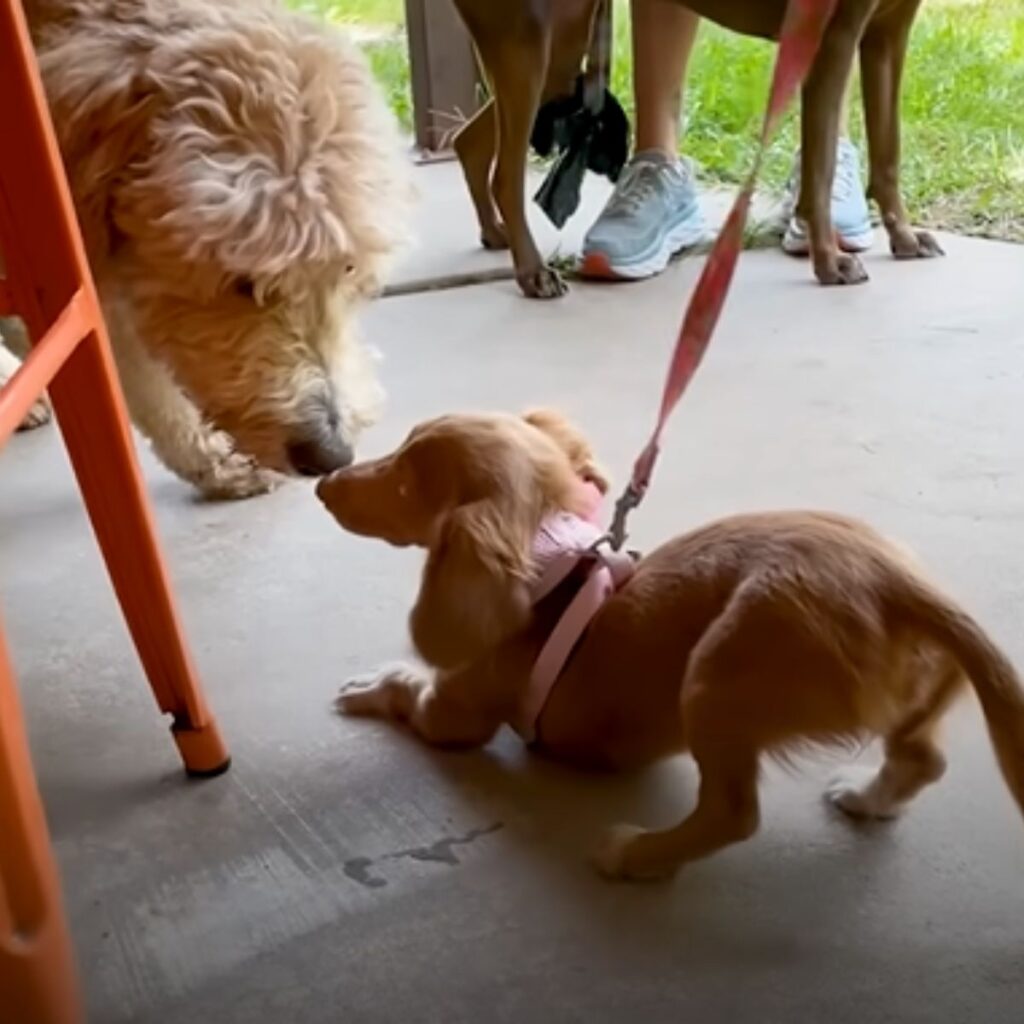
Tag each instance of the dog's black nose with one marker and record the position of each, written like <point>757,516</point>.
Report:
<point>318,457</point>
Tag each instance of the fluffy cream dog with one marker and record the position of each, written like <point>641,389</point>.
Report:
<point>240,187</point>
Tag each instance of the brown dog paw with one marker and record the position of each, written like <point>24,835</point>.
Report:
<point>908,244</point>
<point>843,269</point>
<point>543,283</point>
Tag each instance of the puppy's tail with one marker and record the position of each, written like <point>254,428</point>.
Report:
<point>993,676</point>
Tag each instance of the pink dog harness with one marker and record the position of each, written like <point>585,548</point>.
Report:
<point>561,542</point>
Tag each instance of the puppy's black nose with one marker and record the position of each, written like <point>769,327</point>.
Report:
<point>318,457</point>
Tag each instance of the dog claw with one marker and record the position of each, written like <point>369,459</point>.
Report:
<point>545,283</point>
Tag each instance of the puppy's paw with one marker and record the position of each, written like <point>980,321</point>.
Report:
<point>619,856</point>
<point>855,792</point>
<point>373,694</point>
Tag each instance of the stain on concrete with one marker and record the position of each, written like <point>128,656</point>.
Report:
<point>440,852</point>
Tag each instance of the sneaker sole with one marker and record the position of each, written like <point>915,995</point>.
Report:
<point>799,245</point>
<point>598,265</point>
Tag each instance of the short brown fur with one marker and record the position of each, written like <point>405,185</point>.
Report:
<point>751,636</point>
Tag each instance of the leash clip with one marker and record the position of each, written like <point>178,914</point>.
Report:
<point>628,501</point>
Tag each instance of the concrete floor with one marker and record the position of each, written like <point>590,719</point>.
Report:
<point>341,873</point>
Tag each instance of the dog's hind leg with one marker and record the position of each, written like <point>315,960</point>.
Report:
<point>517,67</point>
<point>727,812</point>
<point>725,669</point>
<point>474,146</point>
<point>882,53</point>
<point>912,758</point>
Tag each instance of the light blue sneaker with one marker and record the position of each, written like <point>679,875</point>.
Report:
<point>850,216</point>
<point>653,214</point>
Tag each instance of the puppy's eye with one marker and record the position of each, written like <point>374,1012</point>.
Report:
<point>350,269</point>
<point>244,287</point>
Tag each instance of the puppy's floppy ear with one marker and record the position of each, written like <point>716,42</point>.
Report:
<point>570,439</point>
<point>474,592</point>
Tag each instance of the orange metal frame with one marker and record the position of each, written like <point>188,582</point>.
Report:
<point>49,285</point>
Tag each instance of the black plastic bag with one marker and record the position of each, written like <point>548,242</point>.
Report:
<point>586,137</point>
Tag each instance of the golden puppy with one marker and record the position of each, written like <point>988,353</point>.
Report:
<point>750,636</point>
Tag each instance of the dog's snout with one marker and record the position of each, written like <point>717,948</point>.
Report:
<point>321,455</point>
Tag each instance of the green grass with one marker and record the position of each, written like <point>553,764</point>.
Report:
<point>963,105</point>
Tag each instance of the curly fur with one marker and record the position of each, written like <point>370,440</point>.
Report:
<point>240,188</point>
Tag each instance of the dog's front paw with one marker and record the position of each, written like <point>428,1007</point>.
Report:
<point>855,792</point>
<point>231,476</point>
<point>618,856</point>
<point>542,283</point>
<point>373,695</point>
<point>908,244</point>
<point>843,268</point>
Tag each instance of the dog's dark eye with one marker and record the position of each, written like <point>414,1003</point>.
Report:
<point>243,286</point>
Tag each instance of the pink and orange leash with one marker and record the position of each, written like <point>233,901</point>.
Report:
<point>802,31</point>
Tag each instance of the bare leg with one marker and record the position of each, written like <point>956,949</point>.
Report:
<point>663,34</point>
<point>882,53</point>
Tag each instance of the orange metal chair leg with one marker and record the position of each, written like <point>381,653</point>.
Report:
<point>38,982</point>
<point>50,284</point>
<point>90,410</point>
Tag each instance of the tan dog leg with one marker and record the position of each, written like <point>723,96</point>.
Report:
<point>517,69</point>
<point>912,761</point>
<point>475,146</point>
<point>183,442</point>
<point>882,53</point>
<point>727,812</point>
<point>819,132</point>
<point>725,669</point>
<point>432,710</point>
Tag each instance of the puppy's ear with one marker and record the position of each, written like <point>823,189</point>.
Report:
<point>474,592</point>
<point>570,439</point>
